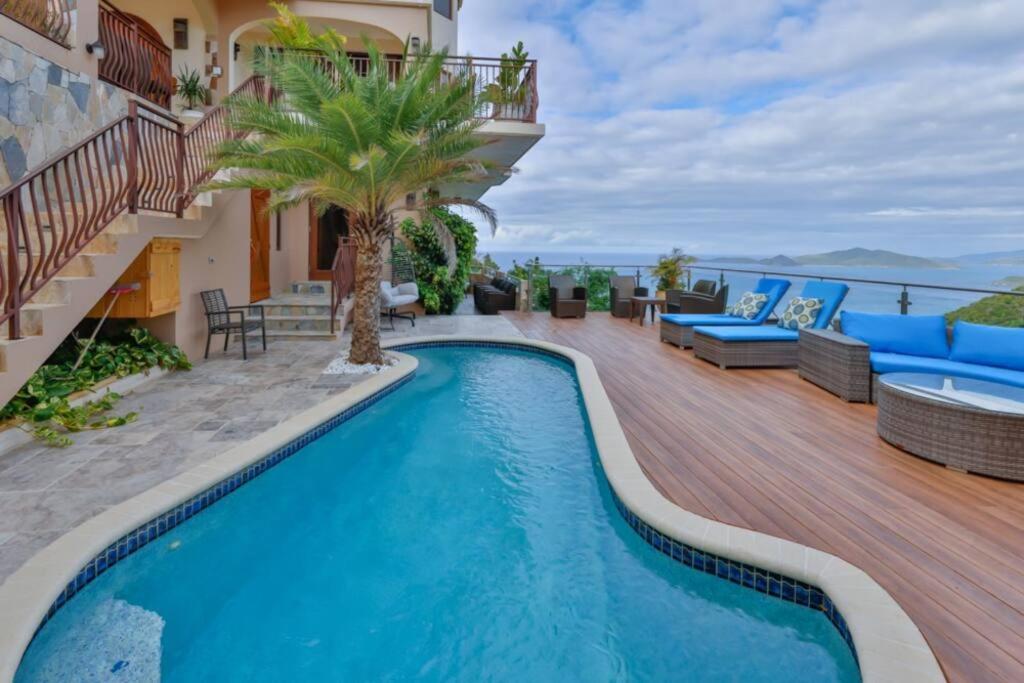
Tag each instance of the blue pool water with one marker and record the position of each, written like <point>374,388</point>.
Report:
<point>460,529</point>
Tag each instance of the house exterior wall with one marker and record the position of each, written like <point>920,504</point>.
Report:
<point>46,107</point>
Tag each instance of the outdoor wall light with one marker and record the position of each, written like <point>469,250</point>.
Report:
<point>414,43</point>
<point>96,48</point>
<point>216,71</point>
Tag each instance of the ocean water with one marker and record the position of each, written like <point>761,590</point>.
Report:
<point>459,530</point>
<point>862,297</point>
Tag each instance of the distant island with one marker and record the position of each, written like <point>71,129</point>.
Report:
<point>847,257</point>
<point>999,309</point>
<point>995,258</point>
<point>1011,282</point>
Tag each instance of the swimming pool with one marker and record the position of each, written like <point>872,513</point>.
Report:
<point>459,529</point>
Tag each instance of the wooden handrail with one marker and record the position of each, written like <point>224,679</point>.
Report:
<point>143,160</point>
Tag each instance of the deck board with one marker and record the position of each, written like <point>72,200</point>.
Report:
<point>764,450</point>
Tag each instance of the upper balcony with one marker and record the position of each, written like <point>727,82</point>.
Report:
<point>53,19</point>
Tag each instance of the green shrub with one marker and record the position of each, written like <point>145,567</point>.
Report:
<point>441,291</point>
<point>596,280</point>
<point>42,403</point>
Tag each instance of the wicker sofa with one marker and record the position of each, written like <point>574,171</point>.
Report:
<point>848,361</point>
<point>500,294</point>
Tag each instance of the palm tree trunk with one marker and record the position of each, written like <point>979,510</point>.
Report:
<point>366,315</point>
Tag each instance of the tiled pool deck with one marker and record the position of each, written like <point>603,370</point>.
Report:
<point>185,419</point>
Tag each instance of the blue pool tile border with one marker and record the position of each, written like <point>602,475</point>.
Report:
<point>769,583</point>
<point>143,535</point>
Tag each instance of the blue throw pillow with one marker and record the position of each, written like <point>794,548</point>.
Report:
<point>1000,347</point>
<point>911,335</point>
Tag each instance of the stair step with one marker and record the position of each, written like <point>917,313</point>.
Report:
<point>31,320</point>
<point>313,287</point>
<point>292,311</point>
<point>56,291</point>
<point>292,335</point>
<point>313,323</point>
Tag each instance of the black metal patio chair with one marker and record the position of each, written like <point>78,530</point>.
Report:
<point>219,320</point>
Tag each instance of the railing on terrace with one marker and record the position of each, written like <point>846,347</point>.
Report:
<point>135,59</point>
<point>343,276</point>
<point>49,18</point>
<point>879,290</point>
<point>519,99</point>
<point>143,160</point>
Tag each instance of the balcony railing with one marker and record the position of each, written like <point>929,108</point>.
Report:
<point>512,90</point>
<point>50,18</point>
<point>135,60</point>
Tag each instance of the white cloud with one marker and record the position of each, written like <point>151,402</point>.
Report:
<point>765,124</point>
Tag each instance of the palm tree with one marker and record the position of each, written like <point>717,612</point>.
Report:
<point>362,141</point>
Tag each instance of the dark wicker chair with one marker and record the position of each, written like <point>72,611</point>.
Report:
<point>704,301</point>
<point>567,300</point>
<point>219,320</point>
<point>624,287</point>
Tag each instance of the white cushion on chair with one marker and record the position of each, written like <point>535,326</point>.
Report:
<point>402,295</point>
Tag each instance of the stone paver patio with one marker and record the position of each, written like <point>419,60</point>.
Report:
<point>184,420</point>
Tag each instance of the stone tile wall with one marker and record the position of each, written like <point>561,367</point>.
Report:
<point>45,108</point>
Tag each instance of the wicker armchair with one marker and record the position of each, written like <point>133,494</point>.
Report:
<point>624,287</point>
<point>567,300</point>
<point>702,302</point>
<point>219,320</point>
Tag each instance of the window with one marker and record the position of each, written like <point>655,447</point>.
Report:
<point>181,34</point>
<point>444,8</point>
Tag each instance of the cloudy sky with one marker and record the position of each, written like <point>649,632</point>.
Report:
<point>765,126</point>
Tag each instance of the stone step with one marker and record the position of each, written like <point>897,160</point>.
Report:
<point>311,323</point>
<point>293,310</point>
<point>292,335</point>
<point>57,290</point>
<point>31,321</point>
<point>312,287</point>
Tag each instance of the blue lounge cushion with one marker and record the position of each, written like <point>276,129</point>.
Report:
<point>882,363</point>
<point>775,289</point>
<point>832,295</point>
<point>914,335</point>
<point>694,319</point>
<point>1001,347</point>
<point>743,333</point>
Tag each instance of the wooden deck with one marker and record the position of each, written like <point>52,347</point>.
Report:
<point>764,450</point>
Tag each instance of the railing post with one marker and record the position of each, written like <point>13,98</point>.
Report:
<point>133,157</point>
<point>905,302</point>
<point>721,278</point>
<point>12,208</point>
<point>179,169</point>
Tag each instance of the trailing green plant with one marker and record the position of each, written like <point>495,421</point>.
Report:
<point>42,405</point>
<point>191,88</point>
<point>441,288</point>
<point>670,267</point>
<point>510,86</point>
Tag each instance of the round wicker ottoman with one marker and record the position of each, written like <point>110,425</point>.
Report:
<point>965,424</point>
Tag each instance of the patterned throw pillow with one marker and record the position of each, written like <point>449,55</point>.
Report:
<point>749,305</point>
<point>801,313</point>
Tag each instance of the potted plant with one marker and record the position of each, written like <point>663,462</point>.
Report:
<point>191,89</point>
<point>669,270</point>
<point>508,92</point>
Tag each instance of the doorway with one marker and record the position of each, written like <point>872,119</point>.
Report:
<point>324,233</point>
<point>259,246</point>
